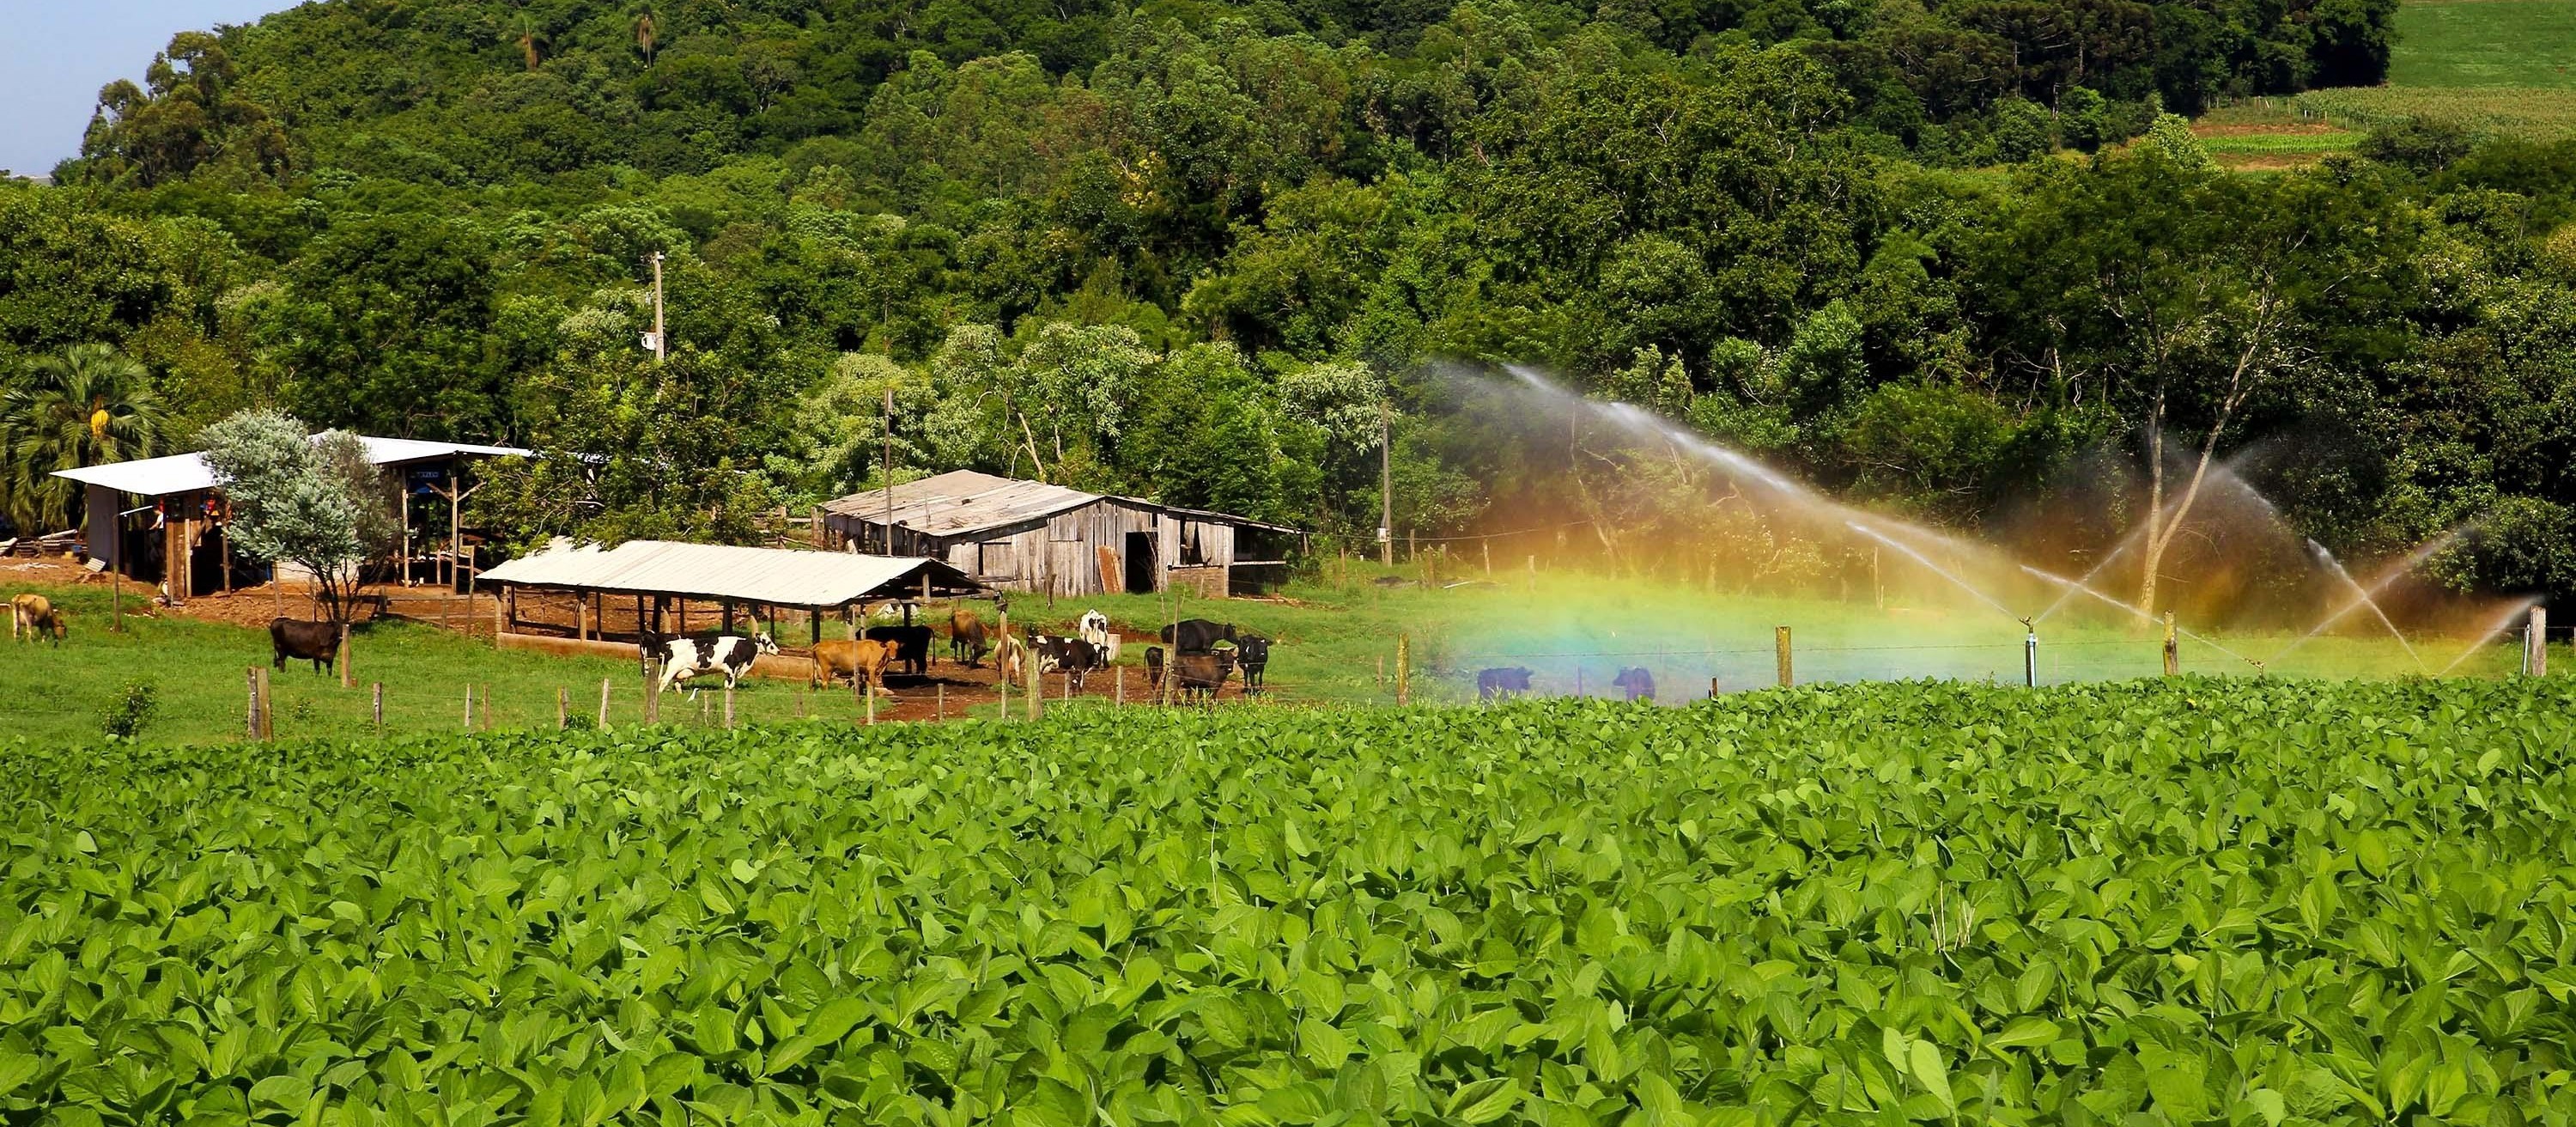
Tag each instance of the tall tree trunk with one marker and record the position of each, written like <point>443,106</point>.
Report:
<point>2162,527</point>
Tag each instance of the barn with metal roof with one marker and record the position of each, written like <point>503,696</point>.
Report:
<point>1036,536</point>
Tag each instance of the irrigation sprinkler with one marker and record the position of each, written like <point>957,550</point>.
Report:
<point>2029,654</point>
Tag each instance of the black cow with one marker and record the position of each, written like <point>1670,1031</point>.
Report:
<point>318,642</point>
<point>1197,635</point>
<point>1636,682</point>
<point>1072,657</point>
<point>914,642</point>
<point>678,659</point>
<point>1202,675</point>
<point>1252,652</point>
<point>1154,667</point>
<point>1510,681</point>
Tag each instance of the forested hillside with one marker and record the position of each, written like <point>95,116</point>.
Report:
<point>1944,257</point>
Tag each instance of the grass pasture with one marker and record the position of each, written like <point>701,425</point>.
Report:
<point>2193,901</point>
<point>1335,644</point>
<point>2498,67</point>
<point>2485,43</point>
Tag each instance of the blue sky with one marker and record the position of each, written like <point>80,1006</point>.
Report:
<point>57,53</point>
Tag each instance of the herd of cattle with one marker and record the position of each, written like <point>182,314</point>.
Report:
<point>1203,657</point>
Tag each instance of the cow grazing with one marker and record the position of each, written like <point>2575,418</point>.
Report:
<point>1153,667</point>
<point>1202,675</point>
<point>1636,683</point>
<point>854,659</point>
<point>33,616</point>
<point>967,639</point>
<point>729,655</point>
<point>1507,682</point>
<point>915,641</point>
<point>317,642</point>
<point>1072,657</point>
<point>1197,635</point>
<point>1252,652</point>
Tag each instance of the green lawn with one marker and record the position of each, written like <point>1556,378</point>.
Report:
<point>2485,43</point>
<point>1574,630</point>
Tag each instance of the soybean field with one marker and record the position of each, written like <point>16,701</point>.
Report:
<point>2253,901</point>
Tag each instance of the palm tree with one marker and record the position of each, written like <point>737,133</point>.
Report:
<point>87,406</point>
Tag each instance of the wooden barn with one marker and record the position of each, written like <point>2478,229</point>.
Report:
<point>1032,536</point>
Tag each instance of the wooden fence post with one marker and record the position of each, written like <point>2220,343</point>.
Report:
<point>1780,642</point>
<point>1403,670</point>
<point>603,704</point>
<point>2173,646</point>
<point>250,709</point>
<point>469,706</point>
<point>348,680</point>
<point>1712,688</point>
<point>1036,684</point>
<point>487,693</point>
<point>728,706</point>
<point>563,708</point>
<point>380,705</point>
<point>2535,643</point>
<point>652,701</point>
<point>870,698</point>
<point>939,699</point>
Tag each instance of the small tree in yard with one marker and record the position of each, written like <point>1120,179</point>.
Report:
<point>316,503</point>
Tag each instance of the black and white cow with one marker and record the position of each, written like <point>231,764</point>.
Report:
<point>1093,627</point>
<point>730,655</point>
<point>1072,657</point>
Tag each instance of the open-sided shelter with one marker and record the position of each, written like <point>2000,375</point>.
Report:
<point>156,519</point>
<point>657,579</point>
<point>1034,536</point>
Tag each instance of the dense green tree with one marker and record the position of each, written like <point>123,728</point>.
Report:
<point>84,406</point>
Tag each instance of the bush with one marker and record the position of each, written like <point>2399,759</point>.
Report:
<point>2425,146</point>
<point>130,710</point>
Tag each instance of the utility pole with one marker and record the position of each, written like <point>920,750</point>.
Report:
<point>661,343</point>
<point>888,474</point>
<point>1386,484</point>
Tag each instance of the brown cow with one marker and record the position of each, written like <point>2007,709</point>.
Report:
<point>33,616</point>
<point>317,642</point>
<point>967,639</point>
<point>853,659</point>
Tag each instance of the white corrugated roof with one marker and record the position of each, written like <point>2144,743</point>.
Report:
<point>187,473</point>
<point>781,576</point>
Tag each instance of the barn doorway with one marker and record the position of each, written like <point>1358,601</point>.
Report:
<point>1140,563</point>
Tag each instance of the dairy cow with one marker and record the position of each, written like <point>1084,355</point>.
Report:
<point>729,655</point>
